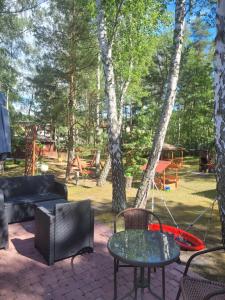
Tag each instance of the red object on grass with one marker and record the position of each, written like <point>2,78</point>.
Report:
<point>184,239</point>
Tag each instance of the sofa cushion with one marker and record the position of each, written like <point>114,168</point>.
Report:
<point>33,198</point>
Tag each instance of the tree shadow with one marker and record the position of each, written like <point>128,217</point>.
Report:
<point>210,194</point>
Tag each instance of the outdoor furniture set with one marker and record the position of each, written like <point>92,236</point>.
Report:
<point>138,247</point>
<point>62,228</point>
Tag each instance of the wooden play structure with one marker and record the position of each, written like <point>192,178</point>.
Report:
<point>166,174</point>
<point>206,162</point>
<point>37,144</point>
<point>173,153</point>
<point>85,167</point>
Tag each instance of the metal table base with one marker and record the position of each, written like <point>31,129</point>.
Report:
<point>140,282</point>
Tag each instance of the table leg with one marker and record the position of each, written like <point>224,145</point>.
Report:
<point>149,278</point>
<point>115,279</point>
<point>163,283</point>
<point>142,282</point>
<point>135,283</point>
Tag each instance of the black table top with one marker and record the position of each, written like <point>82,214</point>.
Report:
<point>144,248</point>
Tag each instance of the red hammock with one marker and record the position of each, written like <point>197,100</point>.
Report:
<point>184,239</point>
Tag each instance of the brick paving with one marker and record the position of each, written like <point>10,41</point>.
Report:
<point>24,274</point>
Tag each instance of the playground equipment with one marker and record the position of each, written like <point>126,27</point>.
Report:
<point>162,178</point>
<point>37,144</point>
<point>184,238</point>
<point>206,163</point>
<point>173,153</point>
<point>85,167</point>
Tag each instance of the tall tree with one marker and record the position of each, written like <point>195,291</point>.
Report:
<point>220,110</point>
<point>119,194</point>
<point>125,28</point>
<point>148,176</point>
<point>68,48</point>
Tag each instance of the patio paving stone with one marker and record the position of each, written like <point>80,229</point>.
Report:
<point>24,274</point>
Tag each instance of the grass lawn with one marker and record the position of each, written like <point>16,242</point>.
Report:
<point>194,194</point>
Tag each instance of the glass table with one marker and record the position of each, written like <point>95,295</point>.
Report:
<point>143,248</point>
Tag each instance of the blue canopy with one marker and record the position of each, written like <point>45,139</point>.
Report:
<point>2,99</point>
<point>5,135</point>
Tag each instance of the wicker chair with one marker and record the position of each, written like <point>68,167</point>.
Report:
<point>200,289</point>
<point>135,218</point>
<point>64,230</point>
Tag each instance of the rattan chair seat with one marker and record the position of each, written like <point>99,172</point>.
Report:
<point>198,289</point>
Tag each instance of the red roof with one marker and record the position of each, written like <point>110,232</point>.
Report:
<point>161,166</point>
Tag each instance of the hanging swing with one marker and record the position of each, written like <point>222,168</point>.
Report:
<point>183,238</point>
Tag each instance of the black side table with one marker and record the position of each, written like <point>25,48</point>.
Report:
<point>143,248</point>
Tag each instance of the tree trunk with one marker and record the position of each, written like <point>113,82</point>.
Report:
<point>124,87</point>
<point>104,174</point>
<point>98,130</point>
<point>148,176</point>
<point>118,180</point>
<point>220,110</point>
<point>71,124</point>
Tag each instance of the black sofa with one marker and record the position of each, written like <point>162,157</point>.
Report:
<point>20,195</point>
<point>63,230</point>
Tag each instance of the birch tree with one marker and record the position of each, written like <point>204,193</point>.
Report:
<point>126,25</point>
<point>119,194</point>
<point>148,176</point>
<point>220,110</point>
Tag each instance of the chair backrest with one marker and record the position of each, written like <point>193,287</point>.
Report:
<point>136,218</point>
<point>73,227</point>
<point>25,185</point>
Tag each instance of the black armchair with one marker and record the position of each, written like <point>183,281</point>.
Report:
<point>65,231</point>
<point>200,289</point>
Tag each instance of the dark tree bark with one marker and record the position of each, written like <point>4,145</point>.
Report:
<point>148,176</point>
<point>220,111</point>
<point>71,124</point>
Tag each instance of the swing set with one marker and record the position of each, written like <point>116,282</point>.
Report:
<point>85,167</point>
<point>184,238</point>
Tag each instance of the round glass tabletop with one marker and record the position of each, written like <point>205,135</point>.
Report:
<point>143,247</point>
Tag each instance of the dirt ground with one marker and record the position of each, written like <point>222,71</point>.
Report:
<point>195,193</point>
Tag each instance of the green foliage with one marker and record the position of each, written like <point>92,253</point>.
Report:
<point>132,171</point>
<point>192,121</point>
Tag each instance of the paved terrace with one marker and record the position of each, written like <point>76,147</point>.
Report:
<point>25,275</point>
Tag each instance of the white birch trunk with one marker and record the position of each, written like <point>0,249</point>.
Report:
<point>107,166</point>
<point>148,176</point>
<point>220,110</point>
<point>98,130</point>
<point>124,89</point>
<point>118,181</point>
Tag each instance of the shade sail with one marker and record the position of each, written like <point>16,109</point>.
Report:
<point>5,135</point>
<point>161,166</point>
